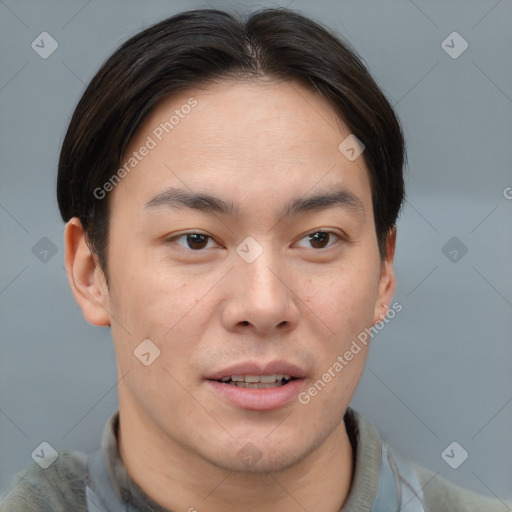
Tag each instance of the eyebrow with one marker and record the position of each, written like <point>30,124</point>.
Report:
<point>182,198</point>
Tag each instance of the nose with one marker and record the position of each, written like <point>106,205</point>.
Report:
<point>262,296</point>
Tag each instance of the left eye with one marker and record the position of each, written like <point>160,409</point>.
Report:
<point>320,239</point>
<point>198,241</point>
<point>195,241</point>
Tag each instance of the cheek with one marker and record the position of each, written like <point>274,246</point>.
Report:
<point>344,299</point>
<point>141,286</point>
<point>148,303</point>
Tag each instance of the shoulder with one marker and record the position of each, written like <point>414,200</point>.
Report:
<point>441,495</point>
<point>58,488</point>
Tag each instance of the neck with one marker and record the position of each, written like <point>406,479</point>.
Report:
<point>179,479</point>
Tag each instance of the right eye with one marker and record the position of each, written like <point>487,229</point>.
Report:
<point>192,240</point>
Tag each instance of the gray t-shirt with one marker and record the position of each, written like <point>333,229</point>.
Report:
<point>61,486</point>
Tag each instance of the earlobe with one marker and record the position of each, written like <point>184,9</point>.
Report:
<point>85,276</point>
<point>387,283</point>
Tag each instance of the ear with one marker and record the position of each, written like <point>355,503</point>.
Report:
<point>87,280</point>
<point>387,282</point>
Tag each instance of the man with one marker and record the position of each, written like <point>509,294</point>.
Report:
<point>231,190</point>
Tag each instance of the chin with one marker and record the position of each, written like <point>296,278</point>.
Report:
<point>261,456</point>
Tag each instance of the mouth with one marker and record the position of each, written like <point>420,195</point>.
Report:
<point>257,387</point>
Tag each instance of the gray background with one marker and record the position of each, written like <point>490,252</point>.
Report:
<point>439,372</point>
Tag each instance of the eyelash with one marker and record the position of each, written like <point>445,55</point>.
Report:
<point>173,239</point>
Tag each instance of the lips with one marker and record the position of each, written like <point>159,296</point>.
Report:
<point>257,387</point>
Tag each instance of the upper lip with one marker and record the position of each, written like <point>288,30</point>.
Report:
<point>255,368</point>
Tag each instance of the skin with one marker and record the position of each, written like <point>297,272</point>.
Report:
<point>259,145</point>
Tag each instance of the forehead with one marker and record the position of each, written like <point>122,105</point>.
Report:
<point>252,111</point>
<point>243,137</point>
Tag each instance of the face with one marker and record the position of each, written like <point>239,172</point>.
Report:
<point>254,285</point>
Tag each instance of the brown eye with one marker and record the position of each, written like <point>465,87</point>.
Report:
<point>197,241</point>
<point>194,241</point>
<point>320,239</point>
